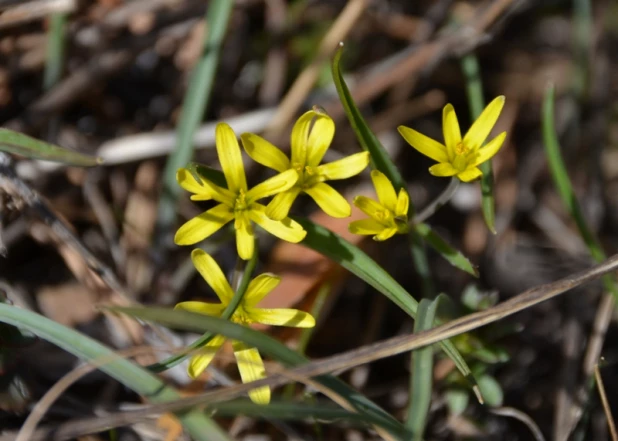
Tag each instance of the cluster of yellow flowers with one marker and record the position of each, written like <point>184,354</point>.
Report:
<point>303,173</point>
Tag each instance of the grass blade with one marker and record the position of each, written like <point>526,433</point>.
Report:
<point>24,145</point>
<point>193,108</point>
<point>565,189</point>
<point>126,372</point>
<point>361,265</point>
<point>474,90</point>
<point>380,160</point>
<point>452,255</point>
<point>202,323</point>
<point>422,373</point>
<point>368,141</point>
<point>54,50</point>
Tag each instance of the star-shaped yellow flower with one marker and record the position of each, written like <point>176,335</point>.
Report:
<point>311,137</point>
<point>387,217</point>
<point>460,157</point>
<point>249,361</point>
<point>235,202</point>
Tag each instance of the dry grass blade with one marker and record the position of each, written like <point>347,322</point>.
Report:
<point>365,354</point>
<point>606,406</point>
<point>520,416</point>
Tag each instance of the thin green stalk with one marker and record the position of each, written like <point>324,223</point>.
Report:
<point>565,189</point>
<point>126,372</point>
<point>193,108</point>
<point>421,373</point>
<point>174,360</point>
<point>474,90</point>
<point>438,202</point>
<point>54,58</point>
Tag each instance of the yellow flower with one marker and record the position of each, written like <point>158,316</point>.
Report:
<point>311,137</point>
<point>235,202</point>
<point>460,157</point>
<point>249,361</point>
<point>387,217</point>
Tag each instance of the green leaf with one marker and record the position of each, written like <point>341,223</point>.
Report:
<point>457,400</point>
<point>212,174</point>
<point>24,145</point>
<point>368,141</point>
<point>361,265</point>
<point>126,372</point>
<point>452,255</point>
<point>474,90</point>
<point>194,105</point>
<point>492,391</point>
<point>565,189</point>
<point>421,372</point>
<point>202,323</point>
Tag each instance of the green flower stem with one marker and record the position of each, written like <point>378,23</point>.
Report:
<point>474,90</point>
<point>437,203</point>
<point>565,189</point>
<point>193,107</point>
<point>126,372</point>
<point>227,314</point>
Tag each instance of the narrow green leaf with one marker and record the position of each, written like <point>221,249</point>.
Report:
<point>421,372</point>
<point>381,161</point>
<point>174,360</point>
<point>287,410</point>
<point>126,372</point>
<point>368,141</point>
<point>24,145</point>
<point>474,90</point>
<point>193,107</point>
<point>202,323</point>
<point>54,50</point>
<point>452,255</point>
<point>361,265</point>
<point>565,189</point>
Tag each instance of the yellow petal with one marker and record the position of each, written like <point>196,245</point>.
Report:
<point>470,174</point>
<point>368,206</point>
<point>251,368</point>
<point>211,272</point>
<point>365,227</point>
<point>259,288</point>
<point>387,233</point>
<point>444,169</point>
<point>299,137</point>
<point>403,204</point>
<point>450,127</point>
<point>329,200</point>
<point>281,204</point>
<point>488,151</point>
<point>245,238</point>
<point>479,131</point>
<point>281,317</point>
<point>285,229</point>
<point>384,189</point>
<point>345,167</point>
<point>230,158</point>
<point>204,190</point>
<point>263,152</point>
<point>320,136</point>
<point>203,225</point>
<point>278,183</point>
<point>202,359</point>
<point>187,181</point>
<point>424,144</point>
<point>211,309</point>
